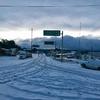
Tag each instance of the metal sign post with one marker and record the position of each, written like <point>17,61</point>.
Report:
<point>55,33</point>
<point>31,37</point>
<point>62,47</point>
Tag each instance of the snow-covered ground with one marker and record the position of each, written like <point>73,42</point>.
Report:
<point>42,78</point>
<point>7,61</point>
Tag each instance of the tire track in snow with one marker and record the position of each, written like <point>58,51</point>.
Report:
<point>8,76</point>
<point>63,81</point>
<point>52,67</point>
<point>42,93</point>
<point>15,98</point>
<point>83,89</point>
<point>70,71</point>
<point>51,94</point>
<point>14,66</point>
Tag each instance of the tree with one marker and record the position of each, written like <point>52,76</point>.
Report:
<point>8,44</point>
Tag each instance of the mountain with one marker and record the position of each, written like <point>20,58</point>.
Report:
<point>70,43</point>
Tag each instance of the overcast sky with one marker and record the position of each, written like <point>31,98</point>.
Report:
<point>16,21</point>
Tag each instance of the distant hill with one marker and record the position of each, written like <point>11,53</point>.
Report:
<point>70,43</point>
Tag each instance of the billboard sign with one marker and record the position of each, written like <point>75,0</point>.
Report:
<point>35,46</point>
<point>49,42</point>
<point>51,32</point>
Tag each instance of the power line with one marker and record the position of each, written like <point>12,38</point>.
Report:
<point>27,6</point>
<point>49,6</point>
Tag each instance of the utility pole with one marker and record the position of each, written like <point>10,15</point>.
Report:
<point>80,41</point>
<point>92,49</point>
<point>55,44</point>
<point>31,37</point>
<point>62,47</point>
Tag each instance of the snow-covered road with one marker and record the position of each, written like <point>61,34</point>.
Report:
<point>42,78</point>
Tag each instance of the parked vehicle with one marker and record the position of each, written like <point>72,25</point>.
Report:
<point>91,64</point>
<point>24,54</point>
<point>28,55</point>
<point>21,55</point>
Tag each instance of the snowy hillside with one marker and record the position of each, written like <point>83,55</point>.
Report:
<point>42,78</point>
<point>69,42</point>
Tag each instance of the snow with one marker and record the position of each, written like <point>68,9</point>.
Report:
<point>7,61</point>
<point>43,78</point>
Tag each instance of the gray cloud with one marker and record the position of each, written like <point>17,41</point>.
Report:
<point>66,17</point>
